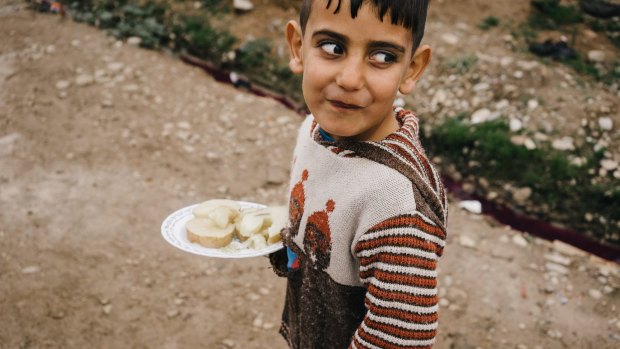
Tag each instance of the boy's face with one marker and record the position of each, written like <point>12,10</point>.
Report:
<point>353,68</point>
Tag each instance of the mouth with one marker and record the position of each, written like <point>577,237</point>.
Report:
<point>343,105</point>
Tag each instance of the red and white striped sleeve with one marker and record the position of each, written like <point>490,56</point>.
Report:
<point>398,261</point>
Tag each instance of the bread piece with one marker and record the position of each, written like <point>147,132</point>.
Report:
<point>206,233</point>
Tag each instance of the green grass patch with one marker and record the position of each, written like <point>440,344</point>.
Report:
<point>566,189</point>
<point>488,23</point>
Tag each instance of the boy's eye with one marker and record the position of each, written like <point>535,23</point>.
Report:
<point>384,57</point>
<point>332,48</point>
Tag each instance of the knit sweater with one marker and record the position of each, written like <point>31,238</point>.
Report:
<point>368,223</point>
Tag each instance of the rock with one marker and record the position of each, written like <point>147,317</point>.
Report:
<point>466,241</point>
<point>483,115</point>
<point>558,259</point>
<point>184,125</point>
<point>130,88</point>
<point>63,84</point>
<point>518,75</point>
<point>506,61</point>
<point>519,240</point>
<point>529,144</point>
<point>515,125</point>
<point>504,103</point>
<point>107,309</point>
<point>609,165</point>
<point>243,5</point>
<point>116,67</point>
<point>481,87</point>
<point>521,195</point>
<point>229,343</point>
<point>31,269</point>
<point>595,294</point>
<point>7,143</point>
<point>564,143</point>
<point>107,103</point>
<point>172,313</point>
<point>84,79</point>
<point>472,206</point>
<point>134,41</point>
<point>605,123</point>
<point>439,98</point>
<point>50,49</point>
<point>556,268</point>
<point>596,56</point>
<point>532,104</point>
<point>450,39</point>
<point>258,321</point>
<point>75,43</point>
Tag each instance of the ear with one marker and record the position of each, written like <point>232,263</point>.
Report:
<point>420,60</point>
<point>294,38</point>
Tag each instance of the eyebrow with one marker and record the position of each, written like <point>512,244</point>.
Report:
<point>345,40</point>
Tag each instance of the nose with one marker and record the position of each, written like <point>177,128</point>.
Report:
<point>351,76</point>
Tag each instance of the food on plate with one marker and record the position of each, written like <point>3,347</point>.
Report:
<point>217,221</point>
<point>207,233</point>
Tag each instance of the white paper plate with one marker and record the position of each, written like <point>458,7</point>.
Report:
<point>173,231</point>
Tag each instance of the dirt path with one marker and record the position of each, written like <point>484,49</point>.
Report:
<point>88,171</point>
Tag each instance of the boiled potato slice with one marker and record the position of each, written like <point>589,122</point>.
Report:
<point>208,234</point>
<point>251,223</point>
<point>204,209</point>
<point>278,218</point>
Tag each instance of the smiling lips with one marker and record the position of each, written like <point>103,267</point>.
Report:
<point>342,105</point>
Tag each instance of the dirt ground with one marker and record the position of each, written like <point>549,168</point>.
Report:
<point>100,141</point>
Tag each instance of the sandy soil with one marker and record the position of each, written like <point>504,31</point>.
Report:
<point>89,171</point>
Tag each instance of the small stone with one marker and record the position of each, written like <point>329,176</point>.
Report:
<point>131,88</point>
<point>529,144</point>
<point>450,39</point>
<point>557,258</point>
<point>554,334</point>
<point>268,326</point>
<point>184,125</point>
<point>506,61</point>
<point>31,269</point>
<point>172,313</point>
<point>116,67</point>
<point>609,165</point>
<point>50,49</point>
<point>444,302</point>
<point>63,84</point>
<point>556,268</point>
<point>258,322</point>
<point>532,104</point>
<point>483,115</point>
<point>472,206</point>
<point>595,294</point>
<point>515,125</point>
<point>596,56</point>
<point>504,103</point>
<point>107,309</point>
<point>134,41</point>
<point>107,103</point>
<point>481,87</point>
<point>243,5</point>
<point>84,79</point>
<point>518,74</point>
<point>466,241</point>
<point>519,240</point>
<point>605,123</point>
<point>229,343</point>
<point>75,43</point>
<point>521,195</point>
<point>564,143</point>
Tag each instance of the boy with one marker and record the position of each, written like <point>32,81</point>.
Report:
<point>367,209</point>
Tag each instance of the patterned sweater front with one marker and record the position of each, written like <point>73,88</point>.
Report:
<point>368,223</point>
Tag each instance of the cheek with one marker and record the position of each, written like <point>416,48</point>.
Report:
<point>385,87</point>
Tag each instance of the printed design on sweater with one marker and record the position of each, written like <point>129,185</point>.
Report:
<point>318,240</point>
<point>297,203</point>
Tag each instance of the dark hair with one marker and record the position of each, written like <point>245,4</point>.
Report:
<point>411,14</point>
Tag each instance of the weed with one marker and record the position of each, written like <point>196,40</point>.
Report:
<point>488,23</point>
<point>462,64</point>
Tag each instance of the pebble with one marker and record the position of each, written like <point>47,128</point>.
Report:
<point>518,74</point>
<point>134,41</point>
<point>228,343</point>
<point>84,79</point>
<point>466,241</point>
<point>609,165</point>
<point>516,125</point>
<point>564,143</point>
<point>75,43</point>
<point>595,294</point>
<point>107,309</point>
<point>596,56</point>
<point>63,84</point>
<point>483,115</point>
<point>480,87</point>
<point>258,321</point>
<point>243,5</point>
<point>556,268</point>
<point>521,195</point>
<point>450,39</point>
<point>50,49</point>
<point>131,88</point>
<point>558,259</point>
<point>172,313</point>
<point>31,269</point>
<point>107,103</point>
<point>519,240</point>
<point>472,206</point>
<point>532,104</point>
<point>605,123</point>
<point>116,67</point>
